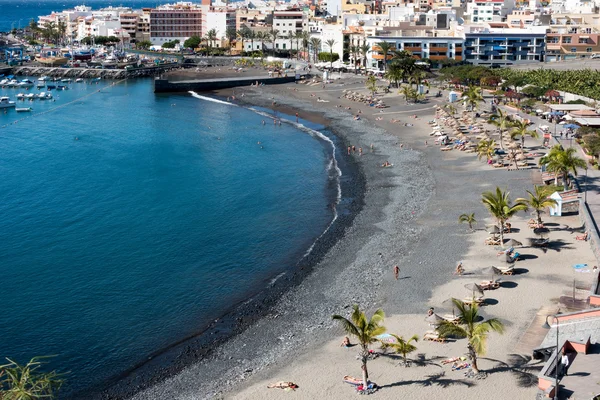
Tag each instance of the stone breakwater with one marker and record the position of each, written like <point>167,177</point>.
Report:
<point>92,72</point>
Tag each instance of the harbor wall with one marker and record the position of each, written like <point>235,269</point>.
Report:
<point>165,86</point>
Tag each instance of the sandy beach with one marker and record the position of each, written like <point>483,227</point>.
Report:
<point>406,217</point>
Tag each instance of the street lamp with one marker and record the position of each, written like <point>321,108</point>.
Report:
<point>585,183</point>
<point>547,326</point>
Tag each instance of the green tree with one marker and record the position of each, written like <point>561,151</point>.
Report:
<point>298,36</point>
<point>538,200</point>
<point>364,50</point>
<point>61,31</point>
<point>315,43</point>
<point>591,142</point>
<point>365,331</point>
<point>328,57</point>
<point>409,93</point>
<point>144,44</point>
<point>291,36</point>
<point>306,44</point>
<point>28,382</point>
<point>501,120</point>
<point>231,35</point>
<point>243,34</point>
<point>354,54</point>
<point>562,161</point>
<point>520,130</point>
<point>169,45</point>
<point>371,84</point>
<point>473,97</point>
<point>330,43</point>
<point>469,219</point>
<point>395,74</point>
<point>274,36</point>
<point>471,328</point>
<point>404,347</point>
<point>500,207</point>
<point>486,148</point>
<point>384,49</point>
<point>192,42</point>
<point>211,36</point>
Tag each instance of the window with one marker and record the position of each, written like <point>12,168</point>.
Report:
<point>573,50</point>
<point>588,50</point>
<point>583,40</point>
<point>566,39</point>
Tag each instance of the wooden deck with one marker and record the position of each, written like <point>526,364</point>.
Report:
<point>534,335</point>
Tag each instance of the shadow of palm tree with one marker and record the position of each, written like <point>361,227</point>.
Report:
<point>432,380</point>
<point>520,367</point>
<point>422,361</point>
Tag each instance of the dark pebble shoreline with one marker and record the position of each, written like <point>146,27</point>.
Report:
<point>168,362</point>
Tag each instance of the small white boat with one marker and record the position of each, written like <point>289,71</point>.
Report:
<point>23,109</point>
<point>25,84</point>
<point>79,80</point>
<point>6,103</point>
<point>66,80</point>
<point>20,96</point>
<point>44,96</point>
<point>3,82</point>
<point>13,83</point>
<point>43,78</point>
<point>29,96</point>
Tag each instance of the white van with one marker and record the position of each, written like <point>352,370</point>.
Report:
<point>595,55</point>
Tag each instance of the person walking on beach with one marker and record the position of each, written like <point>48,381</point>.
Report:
<point>360,151</point>
<point>396,271</point>
<point>296,117</point>
<point>349,149</point>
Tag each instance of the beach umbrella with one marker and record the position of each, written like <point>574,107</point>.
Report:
<point>572,126</point>
<point>473,287</point>
<point>434,319</point>
<point>492,271</point>
<point>556,113</point>
<point>386,338</point>
<point>539,111</point>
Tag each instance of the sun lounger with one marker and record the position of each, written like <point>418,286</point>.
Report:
<point>473,300</point>
<point>507,271</point>
<point>489,285</point>
<point>433,337</point>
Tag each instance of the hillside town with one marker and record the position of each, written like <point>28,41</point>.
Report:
<point>486,32</point>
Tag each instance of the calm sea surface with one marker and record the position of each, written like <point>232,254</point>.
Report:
<point>18,13</point>
<point>128,220</point>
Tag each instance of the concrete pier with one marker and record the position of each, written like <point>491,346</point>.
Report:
<point>31,70</point>
<point>202,85</point>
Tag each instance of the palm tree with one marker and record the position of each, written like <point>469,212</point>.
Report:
<point>486,148</point>
<point>315,43</point>
<point>365,331</point>
<point>403,347</point>
<point>476,332</point>
<point>26,382</point>
<point>211,36</point>
<point>305,42</point>
<point>242,34</point>
<point>364,50</point>
<point>417,77</point>
<point>330,43</point>
<point>371,84</point>
<point>451,109</point>
<point>260,36</point>
<point>562,161</point>
<point>298,36</point>
<point>274,36</point>
<point>384,48</point>
<point>521,129</point>
<point>500,207</point>
<point>291,36</point>
<point>394,74</point>
<point>538,200</point>
<point>501,120</point>
<point>409,93</point>
<point>469,219</point>
<point>230,37</point>
<point>252,35</point>
<point>354,53</point>
<point>61,31</point>
<point>473,97</point>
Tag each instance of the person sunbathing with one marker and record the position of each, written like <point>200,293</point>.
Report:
<point>283,385</point>
<point>459,269</point>
<point>345,342</point>
<point>582,237</point>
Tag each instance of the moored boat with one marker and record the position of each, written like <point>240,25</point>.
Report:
<point>23,109</point>
<point>6,103</point>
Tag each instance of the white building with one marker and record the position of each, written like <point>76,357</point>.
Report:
<point>479,11</point>
<point>333,32</point>
<point>286,23</point>
<point>334,7</point>
<point>220,21</point>
<point>573,6</point>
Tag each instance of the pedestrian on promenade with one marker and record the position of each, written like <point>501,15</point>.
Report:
<point>396,271</point>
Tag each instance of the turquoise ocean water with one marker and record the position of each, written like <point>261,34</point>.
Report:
<point>129,220</point>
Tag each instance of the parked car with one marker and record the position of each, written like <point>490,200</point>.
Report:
<point>595,55</point>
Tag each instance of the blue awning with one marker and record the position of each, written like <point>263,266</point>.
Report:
<point>10,76</point>
<point>498,47</point>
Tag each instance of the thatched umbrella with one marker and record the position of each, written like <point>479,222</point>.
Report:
<point>492,271</point>
<point>473,287</point>
<point>434,319</point>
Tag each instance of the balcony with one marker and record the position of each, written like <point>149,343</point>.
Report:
<point>380,56</point>
<point>438,57</point>
<point>438,49</point>
<point>412,48</point>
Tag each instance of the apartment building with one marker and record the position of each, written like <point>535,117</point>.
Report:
<point>479,11</point>
<point>502,46</point>
<point>288,22</point>
<point>572,36</point>
<point>175,23</point>
<point>421,43</point>
<point>221,21</point>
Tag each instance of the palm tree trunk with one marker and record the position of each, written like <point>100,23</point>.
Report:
<point>364,355</point>
<point>539,217</point>
<point>565,183</point>
<point>501,232</point>
<point>473,358</point>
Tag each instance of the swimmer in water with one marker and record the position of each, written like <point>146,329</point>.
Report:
<point>263,122</point>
